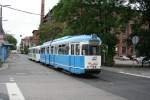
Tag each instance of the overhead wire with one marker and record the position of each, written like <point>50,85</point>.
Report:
<point>22,10</point>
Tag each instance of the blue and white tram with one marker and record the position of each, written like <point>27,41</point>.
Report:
<point>76,54</point>
<point>34,53</point>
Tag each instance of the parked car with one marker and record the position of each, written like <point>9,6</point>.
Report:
<point>145,60</point>
<point>140,59</point>
<point>124,58</point>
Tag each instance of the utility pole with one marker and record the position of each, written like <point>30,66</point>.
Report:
<point>1,28</point>
<point>42,9</point>
<point>2,33</point>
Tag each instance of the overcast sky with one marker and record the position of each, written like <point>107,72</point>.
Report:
<point>19,23</point>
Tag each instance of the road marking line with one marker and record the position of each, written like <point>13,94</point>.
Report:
<point>14,92</point>
<point>11,79</point>
<point>20,73</point>
<point>135,74</point>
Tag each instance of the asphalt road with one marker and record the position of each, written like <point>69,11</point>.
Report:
<point>27,80</point>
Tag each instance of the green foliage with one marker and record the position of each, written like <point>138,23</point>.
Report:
<point>26,49</point>
<point>11,40</point>
<point>109,42</point>
<point>74,17</point>
<point>50,31</point>
<point>144,34</point>
<point>143,46</point>
<point>98,16</point>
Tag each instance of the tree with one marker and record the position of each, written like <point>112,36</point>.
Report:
<point>103,17</point>
<point>11,40</point>
<point>49,31</point>
<point>144,34</point>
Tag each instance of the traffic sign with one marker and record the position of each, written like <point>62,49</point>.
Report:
<point>135,40</point>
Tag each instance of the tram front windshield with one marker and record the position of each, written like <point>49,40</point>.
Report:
<point>90,49</point>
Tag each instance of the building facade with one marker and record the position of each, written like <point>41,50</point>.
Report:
<point>122,47</point>
<point>25,44</point>
<point>35,38</point>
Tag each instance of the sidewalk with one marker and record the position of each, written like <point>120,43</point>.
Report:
<point>4,66</point>
<point>128,63</point>
<point>136,71</point>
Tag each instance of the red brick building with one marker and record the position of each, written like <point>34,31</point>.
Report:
<point>122,47</point>
<point>35,37</point>
<point>26,42</point>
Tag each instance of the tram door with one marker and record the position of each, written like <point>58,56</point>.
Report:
<point>72,58</point>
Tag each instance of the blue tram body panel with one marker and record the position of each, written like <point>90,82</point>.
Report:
<point>52,60</point>
<point>77,64</point>
<point>74,64</point>
<point>42,58</point>
<point>47,59</point>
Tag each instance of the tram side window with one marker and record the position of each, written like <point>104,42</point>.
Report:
<point>52,50</point>
<point>63,49</point>
<point>72,49</point>
<point>47,50</point>
<point>40,51</point>
<point>84,50</point>
<point>77,49</point>
<point>60,49</point>
<point>33,50</point>
<point>67,49</point>
<point>43,50</point>
<point>55,50</point>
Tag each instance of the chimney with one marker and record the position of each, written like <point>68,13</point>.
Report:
<point>42,9</point>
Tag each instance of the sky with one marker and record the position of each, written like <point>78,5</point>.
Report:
<point>19,23</point>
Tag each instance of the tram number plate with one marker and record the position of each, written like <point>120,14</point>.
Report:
<point>92,67</point>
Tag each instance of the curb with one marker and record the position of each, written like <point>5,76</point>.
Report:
<point>4,66</point>
<point>131,66</point>
<point>122,71</point>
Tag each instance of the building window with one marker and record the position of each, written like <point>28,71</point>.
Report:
<point>124,50</point>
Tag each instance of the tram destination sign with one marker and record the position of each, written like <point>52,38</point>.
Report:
<point>94,42</point>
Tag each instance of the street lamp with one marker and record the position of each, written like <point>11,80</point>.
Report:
<point>1,6</point>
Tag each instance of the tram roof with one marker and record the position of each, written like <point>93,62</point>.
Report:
<point>73,39</point>
<point>36,47</point>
